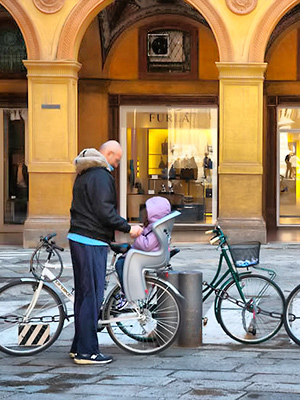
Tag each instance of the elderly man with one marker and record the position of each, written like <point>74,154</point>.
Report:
<point>94,219</point>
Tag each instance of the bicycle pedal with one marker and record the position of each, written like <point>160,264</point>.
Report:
<point>205,321</point>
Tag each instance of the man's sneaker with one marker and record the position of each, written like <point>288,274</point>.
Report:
<point>72,355</point>
<point>92,359</point>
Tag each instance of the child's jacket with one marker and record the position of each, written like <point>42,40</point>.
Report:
<point>157,207</point>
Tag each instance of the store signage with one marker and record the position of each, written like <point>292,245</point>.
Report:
<point>166,117</point>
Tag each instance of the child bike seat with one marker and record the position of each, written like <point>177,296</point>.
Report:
<point>137,262</point>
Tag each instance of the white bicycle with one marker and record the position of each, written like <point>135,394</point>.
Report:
<point>33,310</point>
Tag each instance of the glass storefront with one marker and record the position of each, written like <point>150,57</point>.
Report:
<point>15,193</point>
<point>170,152</point>
<point>288,187</point>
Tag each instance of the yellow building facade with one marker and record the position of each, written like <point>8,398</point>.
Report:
<point>177,83</point>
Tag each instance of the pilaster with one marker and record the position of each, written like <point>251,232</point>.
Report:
<point>52,126</point>
<point>241,150</point>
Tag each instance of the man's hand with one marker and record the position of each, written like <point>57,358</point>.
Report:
<point>135,231</point>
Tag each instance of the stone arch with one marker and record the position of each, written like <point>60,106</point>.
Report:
<point>267,24</point>
<point>83,13</point>
<point>26,26</point>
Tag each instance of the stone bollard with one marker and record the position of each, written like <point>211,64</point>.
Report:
<point>189,284</point>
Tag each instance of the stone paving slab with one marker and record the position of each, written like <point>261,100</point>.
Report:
<point>219,369</point>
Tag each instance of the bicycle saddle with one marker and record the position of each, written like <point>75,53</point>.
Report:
<point>120,247</point>
<point>137,262</point>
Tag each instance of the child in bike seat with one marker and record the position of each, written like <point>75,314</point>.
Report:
<point>155,208</point>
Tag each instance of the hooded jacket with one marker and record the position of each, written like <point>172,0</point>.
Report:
<point>157,207</point>
<point>94,206</point>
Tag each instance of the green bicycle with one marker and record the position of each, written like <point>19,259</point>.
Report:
<point>248,306</point>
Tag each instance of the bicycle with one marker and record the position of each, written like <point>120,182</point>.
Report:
<point>249,307</point>
<point>33,310</point>
<point>291,315</point>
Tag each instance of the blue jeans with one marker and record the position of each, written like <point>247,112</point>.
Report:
<point>89,267</point>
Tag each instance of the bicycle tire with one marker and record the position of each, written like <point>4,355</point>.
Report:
<point>159,321</point>
<point>25,338</point>
<point>260,318</point>
<point>291,317</point>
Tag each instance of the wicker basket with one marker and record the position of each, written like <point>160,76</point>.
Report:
<point>245,254</point>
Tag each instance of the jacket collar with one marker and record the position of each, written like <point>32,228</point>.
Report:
<point>89,158</point>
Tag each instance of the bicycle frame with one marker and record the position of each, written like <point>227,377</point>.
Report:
<point>61,288</point>
<point>230,271</point>
<point>235,275</point>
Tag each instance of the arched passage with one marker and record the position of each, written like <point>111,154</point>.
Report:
<point>83,13</point>
<point>26,26</point>
<point>266,26</point>
<point>281,92</point>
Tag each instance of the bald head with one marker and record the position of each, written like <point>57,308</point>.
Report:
<point>112,151</point>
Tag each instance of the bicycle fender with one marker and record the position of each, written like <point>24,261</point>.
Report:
<point>172,287</point>
<point>107,297</point>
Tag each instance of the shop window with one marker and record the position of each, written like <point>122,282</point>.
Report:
<point>170,52</point>
<point>171,152</point>
<point>15,168</point>
<point>288,166</point>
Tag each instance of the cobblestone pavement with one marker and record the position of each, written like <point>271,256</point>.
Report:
<point>218,369</point>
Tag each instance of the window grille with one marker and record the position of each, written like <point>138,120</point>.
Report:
<point>168,51</point>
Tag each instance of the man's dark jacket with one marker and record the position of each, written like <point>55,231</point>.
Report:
<point>94,206</point>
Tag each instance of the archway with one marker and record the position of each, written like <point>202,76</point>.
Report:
<point>83,13</point>
<point>128,85</point>
<point>281,91</point>
<point>26,26</point>
<point>13,118</point>
<point>265,28</point>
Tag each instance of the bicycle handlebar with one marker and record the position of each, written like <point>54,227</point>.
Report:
<point>214,239</point>
<point>219,235</point>
<point>46,239</point>
<point>54,245</point>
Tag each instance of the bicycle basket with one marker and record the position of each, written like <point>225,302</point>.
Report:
<point>245,254</point>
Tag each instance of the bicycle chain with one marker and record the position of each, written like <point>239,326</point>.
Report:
<point>221,293</point>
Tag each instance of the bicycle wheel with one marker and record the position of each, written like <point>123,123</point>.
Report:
<point>148,326</point>
<point>291,316</point>
<point>258,318</point>
<point>23,336</point>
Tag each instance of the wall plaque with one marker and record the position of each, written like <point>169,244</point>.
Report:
<point>49,6</point>
<point>241,6</point>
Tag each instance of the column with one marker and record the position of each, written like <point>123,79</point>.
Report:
<point>52,147</point>
<point>241,151</point>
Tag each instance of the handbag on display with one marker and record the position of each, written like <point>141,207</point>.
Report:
<point>162,164</point>
<point>164,147</point>
<point>187,173</point>
<point>172,172</point>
